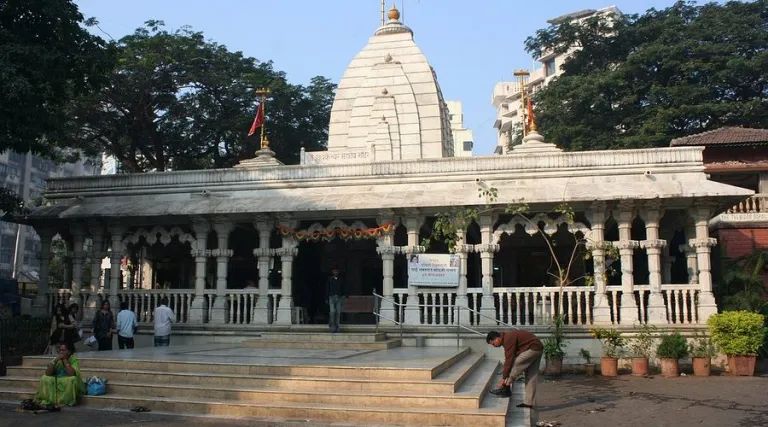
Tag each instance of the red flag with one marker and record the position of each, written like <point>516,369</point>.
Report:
<point>529,113</point>
<point>258,121</point>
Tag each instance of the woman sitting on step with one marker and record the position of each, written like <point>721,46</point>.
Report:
<point>61,384</point>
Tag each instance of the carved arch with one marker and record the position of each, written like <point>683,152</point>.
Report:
<point>159,234</point>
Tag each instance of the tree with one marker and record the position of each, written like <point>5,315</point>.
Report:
<point>641,80</point>
<point>178,101</point>
<point>47,57</point>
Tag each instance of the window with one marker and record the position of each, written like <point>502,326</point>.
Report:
<point>15,157</point>
<point>550,67</point>
<point>468,145</point>
<point>450,117</point>
<point>6,256</point>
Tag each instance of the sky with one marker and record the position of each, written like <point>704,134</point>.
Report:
<point>472,45</point>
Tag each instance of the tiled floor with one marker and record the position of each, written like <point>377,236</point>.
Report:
<point>400,358</point>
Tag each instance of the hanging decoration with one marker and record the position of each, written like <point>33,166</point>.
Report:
<point>341,233</point>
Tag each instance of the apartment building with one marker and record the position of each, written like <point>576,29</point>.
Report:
<point>462,137</point>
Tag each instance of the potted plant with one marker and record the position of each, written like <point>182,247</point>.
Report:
<point>640,348</point>
<point>589,367</point>
<point>738,334</point>
<point>613,347</point>
<point>702,351</point>
<point>671,349</point>
<point>554,349</point>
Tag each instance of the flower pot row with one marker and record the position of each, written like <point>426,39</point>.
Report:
<point>670,367</point>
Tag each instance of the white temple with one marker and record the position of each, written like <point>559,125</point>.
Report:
<point>366,203</point>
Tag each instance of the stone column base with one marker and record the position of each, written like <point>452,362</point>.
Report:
<point>707,306</point>
<point>261,311</point>
<point>387,312</point>
<point>628,309</point>
<point>488,310</point>
<point>601,312</point>
<point>219,311</point>
<point>285,311</point>
<point>412,313</point>
<point>657,311</point>
<point>198,310</point>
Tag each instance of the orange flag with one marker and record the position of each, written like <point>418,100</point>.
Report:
<point>529,113</point>
<point>258,121</point>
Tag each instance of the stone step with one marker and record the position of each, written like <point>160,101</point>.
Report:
<point>354,345</point>
<point>366,366</point>
<point>448,381</point>
<point>323,337</point>
<point>492,412</point>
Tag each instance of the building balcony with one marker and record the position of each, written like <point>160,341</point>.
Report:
<point>502,91</point>
<point>749,211</point>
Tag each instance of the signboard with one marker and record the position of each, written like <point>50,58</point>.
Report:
<point>438,270</point>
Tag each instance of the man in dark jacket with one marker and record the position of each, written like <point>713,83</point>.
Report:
<point>522,352</point>
<point>335,297</point>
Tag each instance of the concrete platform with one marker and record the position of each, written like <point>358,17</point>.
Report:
<point>399,386</point>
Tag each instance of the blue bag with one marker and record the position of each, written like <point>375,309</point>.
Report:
<point>97,386</point>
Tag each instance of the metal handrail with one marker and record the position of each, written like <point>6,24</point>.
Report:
<point>400,306</point>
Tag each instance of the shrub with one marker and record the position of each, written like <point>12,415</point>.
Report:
<point>584,353</point>
<point>737,333</point>
<point>702,346</point>
<point>612,341</point>
<point>554,345</point>
<point>642,344</point>
<point>672,347</point>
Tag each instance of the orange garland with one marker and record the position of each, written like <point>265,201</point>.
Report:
<point>342,233</point>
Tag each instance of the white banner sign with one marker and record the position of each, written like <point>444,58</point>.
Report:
<point>438,270</point>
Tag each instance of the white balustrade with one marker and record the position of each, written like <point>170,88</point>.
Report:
<point>144,301</point>
<point>241,306</point>
<point>274,303</point>
<point>754,204</point>
<point>680,301</point>
<point>538,305</point>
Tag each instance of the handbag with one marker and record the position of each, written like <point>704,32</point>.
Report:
<point>90,341</point>
<point>97,386</point>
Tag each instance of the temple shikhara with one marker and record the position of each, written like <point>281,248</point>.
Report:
<point>366,204</point>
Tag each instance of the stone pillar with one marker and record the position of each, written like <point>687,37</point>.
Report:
<point>285,308</point>
<point>41,304</point>
<point>703,245</point>
<point>78,256</point>
<point>691,263</point>
<point>657,312</point>
<point>222,226</point>
<point>387,309</point>
<point>97,232</point>
<point>627,246</point>
<point>199,308</point>
<point>413,223</point>
<point>462,299</point>
<point>115,257</point>
<point>487,249</point>
<point>263,256</point>
<point>667,262</point>
<point>601,312</point>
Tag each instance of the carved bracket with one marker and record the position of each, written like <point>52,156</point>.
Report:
<point>653,244</point>
<point>707,242</point>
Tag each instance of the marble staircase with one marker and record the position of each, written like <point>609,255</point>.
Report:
<point>325,383</point>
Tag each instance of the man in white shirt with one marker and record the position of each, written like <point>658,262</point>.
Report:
<point>163,319</point>
<point>126,326</point>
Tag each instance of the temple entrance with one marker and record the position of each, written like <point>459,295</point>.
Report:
<point>359,265</point>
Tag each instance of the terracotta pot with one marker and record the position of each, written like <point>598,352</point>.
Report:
<point>670,367</point>
<point>701,366</point>
<point>589,368</point>
<point>553,367</point>
<point>742,365</point>
<point>639,366</point>
<point>609,366</point>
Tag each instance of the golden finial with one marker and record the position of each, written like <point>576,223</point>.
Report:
<point>264,143</point>
<point>394,14</point>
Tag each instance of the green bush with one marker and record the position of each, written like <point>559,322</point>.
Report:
<point>702,346</point>
<point>672,347</point>
<point>584,353</point>
<point>737,333</point>
<point>554,346</point>
<point>613,342</point>
<point>642,344</point>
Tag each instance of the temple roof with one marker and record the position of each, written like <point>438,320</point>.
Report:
<point>389,101</point>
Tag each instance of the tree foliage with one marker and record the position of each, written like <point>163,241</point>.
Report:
<point>46,58</point>
<point>641,80</point>
<point>178,101</point>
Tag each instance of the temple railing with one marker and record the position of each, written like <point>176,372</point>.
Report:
<point>754,204</point>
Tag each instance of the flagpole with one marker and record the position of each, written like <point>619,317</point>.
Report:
<point>522,74</point>
<point>263,92</point>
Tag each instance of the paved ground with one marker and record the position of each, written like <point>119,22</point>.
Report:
<point>645,402</point>
<point>572,400</point>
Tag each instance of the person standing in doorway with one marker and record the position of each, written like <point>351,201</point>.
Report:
<point>126,327</point>
<point>163,319</point>
<point>104,326</point>
<point>335,298</point>
<point>522,353</point>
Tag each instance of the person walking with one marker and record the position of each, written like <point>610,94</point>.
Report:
<point>126,327</point>
<point>522,353</point>
<point>104,326</point>
<point>163,319</point>
<point>335,296</point>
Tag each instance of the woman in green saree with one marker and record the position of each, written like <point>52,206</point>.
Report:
<point>61,384</point>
